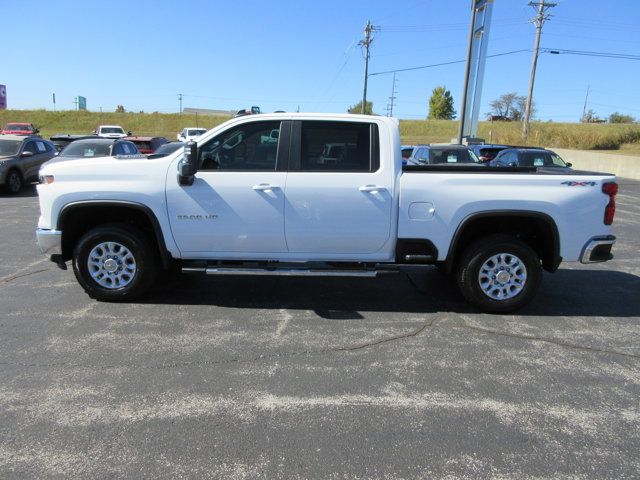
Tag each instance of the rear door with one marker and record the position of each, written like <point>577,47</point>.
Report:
<point>338,196</point>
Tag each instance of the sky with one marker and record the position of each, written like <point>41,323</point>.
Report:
<point>290,55</point>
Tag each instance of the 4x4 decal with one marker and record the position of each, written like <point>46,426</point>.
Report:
<point>579,184</point>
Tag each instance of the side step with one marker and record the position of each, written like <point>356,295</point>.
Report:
<point>283,272</point>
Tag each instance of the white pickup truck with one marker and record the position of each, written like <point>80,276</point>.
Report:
<point>243,200</point>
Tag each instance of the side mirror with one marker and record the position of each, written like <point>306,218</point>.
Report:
<point>36,131</point>
<point>188,166</point>
<point>129,133</point>
<point>512,164</point>
<point>26,154</point>
<point>569,164</point>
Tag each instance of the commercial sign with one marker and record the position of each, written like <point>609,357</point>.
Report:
<point>3,97</point>
<point>82,103</point>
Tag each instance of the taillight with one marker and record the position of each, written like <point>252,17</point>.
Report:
<point>610,189</point>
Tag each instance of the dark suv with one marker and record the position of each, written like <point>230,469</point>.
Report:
<point>21,158</point>
<point>529,157</point>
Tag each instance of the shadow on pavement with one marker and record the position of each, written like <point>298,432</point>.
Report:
<point>28,190</point>
<point>566,293</point>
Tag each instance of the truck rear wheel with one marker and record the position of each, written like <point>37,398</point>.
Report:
<point>499,274</point>
<point>115,262</point>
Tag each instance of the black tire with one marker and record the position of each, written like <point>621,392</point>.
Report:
<point>13,182</point>
<point>481,251</point>
<point>140,246</point>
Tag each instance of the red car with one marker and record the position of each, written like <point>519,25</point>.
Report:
<point>147,145</point>
<point>19,129</point>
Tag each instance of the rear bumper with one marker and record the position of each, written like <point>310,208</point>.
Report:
<point>49,241</point>
<point>598,249</point>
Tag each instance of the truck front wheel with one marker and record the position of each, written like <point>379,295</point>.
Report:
<point>499,274</point>
<point>115,262</point>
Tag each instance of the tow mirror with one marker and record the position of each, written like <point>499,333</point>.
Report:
<point>188,166</point>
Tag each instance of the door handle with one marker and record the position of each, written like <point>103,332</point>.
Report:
<point>371,188</point>
<point>264,187</point>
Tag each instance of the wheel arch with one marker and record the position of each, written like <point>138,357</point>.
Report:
<point>76,218</point>
<point>537,229</point>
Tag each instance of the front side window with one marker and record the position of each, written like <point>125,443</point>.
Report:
<point>250,146</point>
<point>337,147</point>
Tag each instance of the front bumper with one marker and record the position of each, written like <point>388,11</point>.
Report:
<point>598,249</point>
<point>49,241</point>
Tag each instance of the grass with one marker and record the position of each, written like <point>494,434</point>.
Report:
<point>622,138</point>
<point>549,134</point>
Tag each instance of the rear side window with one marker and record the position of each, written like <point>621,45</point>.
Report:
<point>338,147</point>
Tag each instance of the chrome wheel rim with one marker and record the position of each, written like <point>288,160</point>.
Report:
<point>502,276</point>
<point>112,265</point>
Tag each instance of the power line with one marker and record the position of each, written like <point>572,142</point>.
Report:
<point>446,63</point>
<point>622,56</point>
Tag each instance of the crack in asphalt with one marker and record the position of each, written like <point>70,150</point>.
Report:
<point>13,277</point>
<point>348,348</point>
<point>559,343</point>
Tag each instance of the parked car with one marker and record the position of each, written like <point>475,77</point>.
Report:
<point>407,150</point>
<point>110,131</point>
<point>487,152</point>
<point>248,111</point>
<point>442,154</point>
<point>529,157</point>
<point>166,149</point>
<point>19,129</point>
<point>21,158</point>
<point>233,203</point>
<point>98,147</point>
<point>147,145</point>
<point>60,141</point>
<point>190,133</point>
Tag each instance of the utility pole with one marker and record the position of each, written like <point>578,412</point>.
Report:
<point>54,102</point>
<point>539,20</point>
<point>180,99</point>
<point>392,98</point>
<point>584,109</point>
<point>467,72</point>
<point>366,43</point>
<point>75,102</point>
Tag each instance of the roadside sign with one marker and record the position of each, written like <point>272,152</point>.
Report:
<point>3,97</point>
<point>82,103</point>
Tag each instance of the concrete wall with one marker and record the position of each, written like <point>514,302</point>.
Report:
<point>627,166</point>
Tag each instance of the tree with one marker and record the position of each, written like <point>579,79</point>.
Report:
<point>512,106</point>
<point>590,117</point>
<point>357,108</point>
<point>120,109</point>
<point>441,104</point>
<point>616,117</point>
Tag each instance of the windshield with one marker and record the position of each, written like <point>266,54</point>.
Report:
<point>17,126</point>
<point>77,149</point>
<point>450,155</point>
<point>111,130</point>
<point>9,147</point>
<point>197,131</point>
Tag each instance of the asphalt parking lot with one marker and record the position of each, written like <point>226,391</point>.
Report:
<point>394,377</point>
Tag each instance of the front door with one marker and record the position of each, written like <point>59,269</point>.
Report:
<point>235,207</point>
